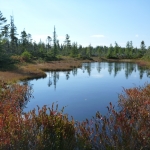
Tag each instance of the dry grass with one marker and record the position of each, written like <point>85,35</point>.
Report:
<point>143,63</point>
<point>36,69</point>
<point>119,60</point>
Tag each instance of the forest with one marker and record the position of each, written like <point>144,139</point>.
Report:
<point>16,47</point>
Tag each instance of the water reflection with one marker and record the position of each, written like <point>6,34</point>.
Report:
<point>113,68</point>
<point>28,95</point>
<point>87,89</point>
<point>53,78</point>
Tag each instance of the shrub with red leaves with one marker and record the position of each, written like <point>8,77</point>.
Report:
<point>49,128</point>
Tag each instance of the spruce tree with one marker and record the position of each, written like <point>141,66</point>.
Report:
<point>110,51</point>
<point>54,43</point>
<point>143,47</point>
<point>3,20</point>
<point>13,34</point>
<point>67,44</point>
<point>3,34</point>
<point>24,39</point>
<point>49,39</point>
<point>127,50</point>
<point>116,50</point>
<point>89,51</point>
<point>74,51</point>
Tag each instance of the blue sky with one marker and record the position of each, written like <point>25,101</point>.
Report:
<point>95,22</point>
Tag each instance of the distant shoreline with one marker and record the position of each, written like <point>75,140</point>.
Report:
<point>37,69</point>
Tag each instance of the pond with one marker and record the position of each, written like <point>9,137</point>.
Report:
<point>88,89</point>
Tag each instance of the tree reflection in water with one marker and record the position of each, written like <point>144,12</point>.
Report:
<point>113,68</point>
<point>28,95</point>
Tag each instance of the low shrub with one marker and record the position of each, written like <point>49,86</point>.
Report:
<point>17,59</point>
<point>128,128</point>
<point>48,128</point>
<point>26,56</point>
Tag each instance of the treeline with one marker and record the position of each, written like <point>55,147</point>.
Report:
<point>15,47</point>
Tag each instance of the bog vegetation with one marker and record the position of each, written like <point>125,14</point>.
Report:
<point>48,128</point>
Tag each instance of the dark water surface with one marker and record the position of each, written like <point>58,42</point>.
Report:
<point>87,89</point>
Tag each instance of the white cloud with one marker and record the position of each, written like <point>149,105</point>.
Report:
<point>137,35</point>
<point>98,36</point>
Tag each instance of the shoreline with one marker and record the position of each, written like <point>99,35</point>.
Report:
<point>37,70</point>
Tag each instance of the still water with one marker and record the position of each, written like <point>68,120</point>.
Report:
<point>88,89</point>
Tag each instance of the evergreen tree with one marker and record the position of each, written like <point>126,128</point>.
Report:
<point>3,38</point>
<point>120,52</point>
<point>61,49</point>
<point>74,50</point>
<point>89,51</point>
<point>3,20</point>
<point>131,50</point>
<point>58,46</point>
<point>49,39</point>
<point>131,45</point>
<point>105,51</point>
<point>29,45</point>
<point>13,33</point>
<point>24,39</point>
<point>67,44</point>
<point>143,47</point>
<point>54,43</point>
<point>147,54</point>
<point>4,33</point>
<point>100,49</point>
<point>110,51</point>
<point>116,50</point>
<point>80,51</point>
<point>29,38</point>
<point>128,48</point>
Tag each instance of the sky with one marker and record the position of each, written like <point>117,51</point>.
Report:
<point>95,22</point>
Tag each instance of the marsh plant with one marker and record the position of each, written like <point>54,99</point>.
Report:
<point>50,129</point>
